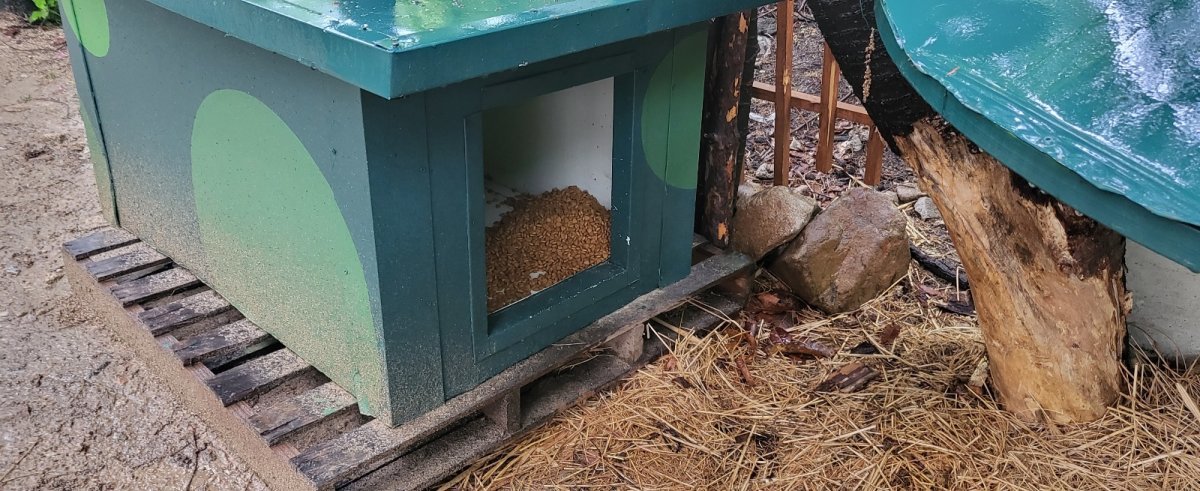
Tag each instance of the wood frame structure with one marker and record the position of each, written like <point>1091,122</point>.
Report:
<point>827,105</point>
<point>299,430</point>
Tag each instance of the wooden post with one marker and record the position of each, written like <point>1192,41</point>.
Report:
<point>721,149</point>
<point>785,11</point>
<point>1048,283</point>
<point>830,78</point>
<point>874,171</point>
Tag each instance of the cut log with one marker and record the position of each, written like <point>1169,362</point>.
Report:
<point>726,115</point>
<point>1048,283</point>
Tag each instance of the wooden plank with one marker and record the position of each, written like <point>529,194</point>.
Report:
<point>169,317</point>
<point>228,341</point>
<point>784,37</point>
<point>306,410</point>
<point>812,103</point>
<point>155,286</point>
<point>506,412</point>
<point>827,113</point>
<point>874,171</point>
<point>257,376</point>
<point>102,240</point>
<point>270,463</point>
<point>344,459</point>
<point>138,256</point>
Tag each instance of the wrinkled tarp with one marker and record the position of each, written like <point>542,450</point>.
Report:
<point>1110,90</point>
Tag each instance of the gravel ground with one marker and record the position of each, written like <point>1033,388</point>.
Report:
<point>77,411</point>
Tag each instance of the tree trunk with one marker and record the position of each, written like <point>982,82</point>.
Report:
<point>726,116</point>
<point>1048,283</point>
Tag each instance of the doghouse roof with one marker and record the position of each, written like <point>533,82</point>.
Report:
<point>397,47</point>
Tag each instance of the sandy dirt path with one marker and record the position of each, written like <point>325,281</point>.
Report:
<point>77,411</point>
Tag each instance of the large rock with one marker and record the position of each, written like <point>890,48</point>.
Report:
<point>769,219</point>
<point>848,254</point>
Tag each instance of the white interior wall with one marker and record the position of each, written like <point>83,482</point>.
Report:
<point>550,142</point>
<point>1166,304</point>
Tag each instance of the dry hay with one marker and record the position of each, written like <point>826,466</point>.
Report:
<point>691,420</point>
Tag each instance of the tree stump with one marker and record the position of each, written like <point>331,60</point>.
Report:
<point>1048,282</point>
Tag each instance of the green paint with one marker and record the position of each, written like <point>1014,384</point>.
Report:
<point>687,95</point>
<point>676,168</point>
<point>1055,91</point>
<point>89,21</point>
<point>100,166</point>
<point>278,245</point>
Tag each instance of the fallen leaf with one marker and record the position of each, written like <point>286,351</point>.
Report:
<point>779,336</point>
<point>957,307</point>
<point>864,348</point>
<point>852,377</point>
<point>783,342</point>
<point>806,346</point>
<point>930,291</point>
<point>888,337</point>
<point>744,371</point>
<point>669,363</point>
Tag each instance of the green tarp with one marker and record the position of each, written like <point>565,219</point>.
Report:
<point>1096,102</point>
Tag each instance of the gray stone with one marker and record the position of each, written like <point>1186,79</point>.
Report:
<point>849,254</point>
<point>765,171</point>
<point>748,189</point>
<point>908,193</point>
<point>769,219</point>
<point>893,197</point>
<point>926,209</point>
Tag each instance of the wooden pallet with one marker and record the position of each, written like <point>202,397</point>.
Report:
<point>298,430</point>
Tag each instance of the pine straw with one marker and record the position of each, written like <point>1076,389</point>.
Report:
<point>690,421</point>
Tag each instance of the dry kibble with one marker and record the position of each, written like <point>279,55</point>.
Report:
<point>545,239</point>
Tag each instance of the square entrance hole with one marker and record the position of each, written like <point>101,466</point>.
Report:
<point>548,179</point>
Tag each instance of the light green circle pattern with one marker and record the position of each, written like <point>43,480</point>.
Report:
<point>276,242</point>
<point>89,21</point>
<point>659,118</point>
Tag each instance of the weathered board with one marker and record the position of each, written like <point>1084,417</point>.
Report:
<point>298,430</point>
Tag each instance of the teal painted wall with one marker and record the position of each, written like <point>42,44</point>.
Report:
<point>350,226</point>
<point>204,151</point>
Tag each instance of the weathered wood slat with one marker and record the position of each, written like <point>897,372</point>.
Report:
<point>154,286</point>
<point>305,410</point>
<point>166,318</point>
<point>429,447</point>
<point>783,86</point>
<point>812,103</point>
<point>831,78</point>
<point>103,240</point>
<point>258,375</point>
<point>139,256</point>
<point>344,459</point>
<point>875,146</point>
<point>228,341</point>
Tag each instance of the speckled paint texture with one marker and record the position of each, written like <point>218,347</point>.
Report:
<point>341,221</point>
<point>285,252</point>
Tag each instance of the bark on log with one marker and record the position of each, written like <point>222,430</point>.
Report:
<point>726,116</point>
<point>1048,283</point>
